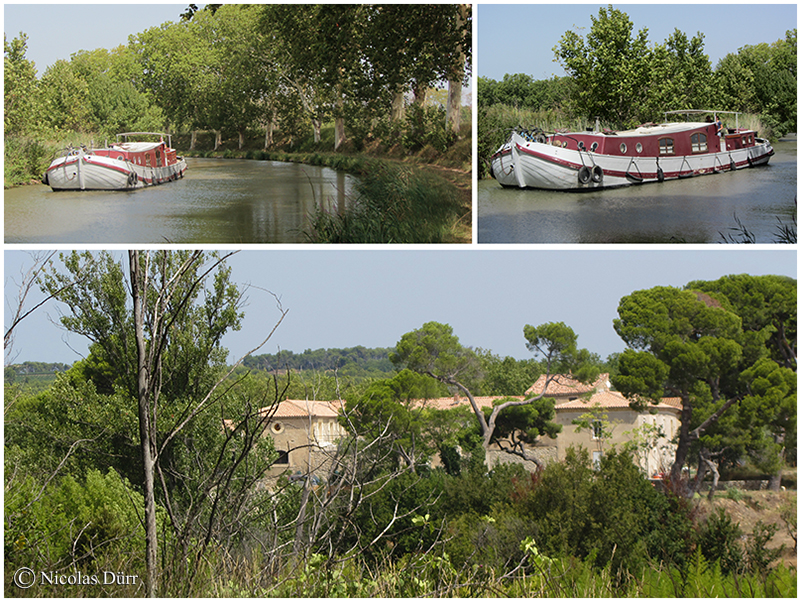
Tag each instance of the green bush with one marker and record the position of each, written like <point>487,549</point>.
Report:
<point>718,540</point>
<point>25,159</point>
<point>93,524</point>
<point>426,126</point>
<point>611,515</point>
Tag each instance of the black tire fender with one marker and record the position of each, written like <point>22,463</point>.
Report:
<point>584,175</point>
<point>660,174</point>
<point>597,174</point>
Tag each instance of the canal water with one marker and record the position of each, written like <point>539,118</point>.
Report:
<point>702,209</point>
<point>218,201</point>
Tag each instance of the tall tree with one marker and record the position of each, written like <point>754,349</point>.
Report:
<point>691,344</point>
<point>20,87</point>
<point>609,66</point>
<point>160,332</point>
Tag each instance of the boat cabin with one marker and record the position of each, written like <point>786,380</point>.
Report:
<point>145,154</point>
<point>666,139</point>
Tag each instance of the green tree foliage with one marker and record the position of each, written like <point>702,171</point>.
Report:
<point>371,360</point>
<point>22,111</point>
<point>609,514</point>
<point>763,79</point>
<point>692,345</point>
<point>506,375</point>
<point>609,66</point>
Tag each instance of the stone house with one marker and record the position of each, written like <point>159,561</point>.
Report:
<point>305,435</point>
<point>608,421</point>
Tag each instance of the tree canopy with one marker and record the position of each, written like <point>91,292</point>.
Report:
<point>694,345</point>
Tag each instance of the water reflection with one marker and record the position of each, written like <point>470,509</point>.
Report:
<point>219,201</point>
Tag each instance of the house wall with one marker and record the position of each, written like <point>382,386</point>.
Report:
<point>623,424</point>
<point>308,441</point>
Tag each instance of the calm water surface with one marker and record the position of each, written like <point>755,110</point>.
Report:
<point>219,201</point>
<point>696,210</point>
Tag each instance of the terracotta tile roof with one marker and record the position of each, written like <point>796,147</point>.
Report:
<point>458,401</point>
<point>611,399</point>
<point>565,385</point>
<point>291,408</point>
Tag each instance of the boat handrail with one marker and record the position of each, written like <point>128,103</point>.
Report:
<point>147,133</point>
<point>703,111</point>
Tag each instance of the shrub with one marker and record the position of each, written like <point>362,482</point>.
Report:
<point>90,524</point>
<point>718,540</point>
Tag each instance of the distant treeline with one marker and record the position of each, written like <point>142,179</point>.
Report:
<point>30,368</point>
<point>362,358</point>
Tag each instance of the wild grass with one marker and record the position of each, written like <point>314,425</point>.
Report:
<point>393,204</point>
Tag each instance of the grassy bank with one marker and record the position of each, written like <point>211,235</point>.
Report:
<point>420,197</point>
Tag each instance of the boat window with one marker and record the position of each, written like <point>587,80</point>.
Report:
<point>699,143</point>
<point>594,146</point>
<point>666,146</point>
<point>639,147</point>
<point>623,148</point>
<point>147,159</point>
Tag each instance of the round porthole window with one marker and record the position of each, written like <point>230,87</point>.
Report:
<point>639,147</point>
<point>623,148</point>
<point>277,427</point>
<point>594,146</point>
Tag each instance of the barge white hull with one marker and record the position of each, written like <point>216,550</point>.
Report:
<point>528,164</point>
<point>84,171</point>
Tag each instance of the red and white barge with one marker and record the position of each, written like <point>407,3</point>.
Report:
<point>124,165</point>
<point>650,153</point>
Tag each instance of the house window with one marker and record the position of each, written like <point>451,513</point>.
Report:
<point>283,458</point>
<point>699,143</point>
<point>666,146</point>
<point>597,429</point>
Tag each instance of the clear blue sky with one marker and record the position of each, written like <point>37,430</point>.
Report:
<point>56,31</point>
<point>519,38</point>
<point>342,298</point>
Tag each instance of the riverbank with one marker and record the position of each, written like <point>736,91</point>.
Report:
<point>440,188</point>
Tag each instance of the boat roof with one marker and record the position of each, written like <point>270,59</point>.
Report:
<point>700,112</point>
<point>137,146</point>
<point>661,128</point>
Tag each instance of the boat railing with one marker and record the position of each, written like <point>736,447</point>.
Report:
<point>125,135</point>
<point>701,112</point>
